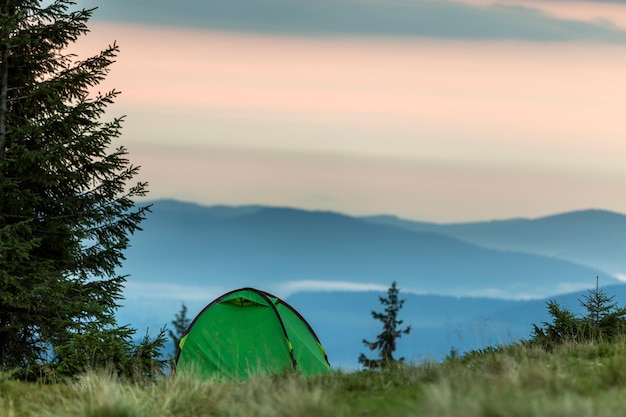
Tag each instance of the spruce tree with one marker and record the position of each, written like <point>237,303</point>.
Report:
<point>66,209</point>
<point>604,321</point>
<point>385,342</point>
<point>181,323</point>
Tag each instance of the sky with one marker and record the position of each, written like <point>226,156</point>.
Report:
<point>441,111</point>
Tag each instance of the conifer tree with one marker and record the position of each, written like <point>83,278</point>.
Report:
<point>385,342</point>
<point>181,323</point>
<point>602,312</point>
<point>66,209</point>
<point>604,320</point>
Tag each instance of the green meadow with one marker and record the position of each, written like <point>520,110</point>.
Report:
<point>518,380</point>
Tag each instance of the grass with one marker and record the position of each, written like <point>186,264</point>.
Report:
<point>575,380</point>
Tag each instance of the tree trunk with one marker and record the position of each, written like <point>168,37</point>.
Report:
<point>3,99</point>
<point>4,81</point>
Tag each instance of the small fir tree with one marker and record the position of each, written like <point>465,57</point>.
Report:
<point>565,327</point>
<point>385,342</point>
<point>181,323</point>
<point>604,320</point>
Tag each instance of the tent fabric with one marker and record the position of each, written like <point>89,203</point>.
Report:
<point>249,332</point>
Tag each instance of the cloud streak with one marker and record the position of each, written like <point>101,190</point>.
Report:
<point>437,19</point>
<point>138,292</point>
<point>286,289</point>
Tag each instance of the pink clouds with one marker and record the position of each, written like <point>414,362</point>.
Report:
<point>153,65</point>
<point>586,11</point>
<point>417,127</point>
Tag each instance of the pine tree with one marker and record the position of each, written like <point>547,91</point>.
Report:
<point>565,327</point>
<point>181,323</point>
<point>604,321</point>
<point>385,342</point>
<point>66,212</point>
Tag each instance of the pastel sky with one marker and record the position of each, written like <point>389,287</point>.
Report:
<point>431,110</point>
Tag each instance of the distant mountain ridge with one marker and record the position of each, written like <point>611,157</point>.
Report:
<point>269,246</point>
<point>192,253</point>
<point>596,238</point>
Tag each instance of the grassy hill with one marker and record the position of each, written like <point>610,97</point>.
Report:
<point>574,381</point>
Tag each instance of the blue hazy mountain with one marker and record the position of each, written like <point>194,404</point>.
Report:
<point>191,253</point>
<point>594,238</point>
<point>270,246</point>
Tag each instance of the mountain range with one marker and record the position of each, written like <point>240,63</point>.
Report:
<point>467,285</point>
<point>594,238</point>
<point>277,248</point>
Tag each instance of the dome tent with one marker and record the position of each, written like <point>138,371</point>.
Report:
<point>249,332</point>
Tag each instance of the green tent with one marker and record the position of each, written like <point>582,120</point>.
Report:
<point>248,332</point>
